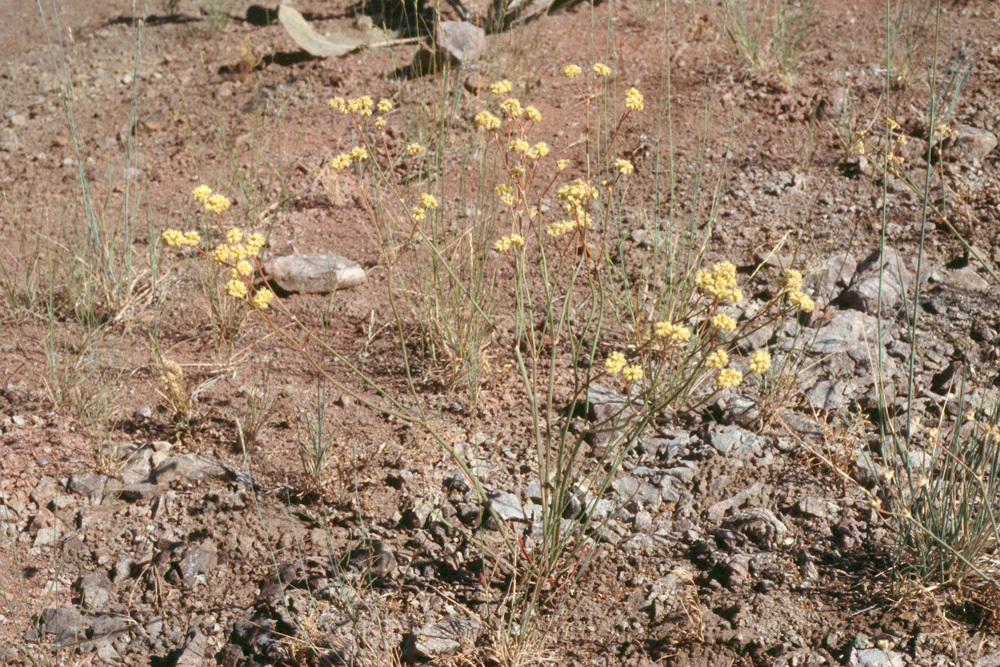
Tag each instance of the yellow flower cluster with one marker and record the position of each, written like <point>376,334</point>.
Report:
<point>624,166</point>
<point>504,244</point>
<point>201,193</point>
<point>562,164</point>
<point>384,106</point>
<point>633,100</point>
<point>728,377</point>
<point>262,299</point>
<point>511,108</point>
<point>518,146</point>
<point>720,282</point>
<point>506,193</point>
<point>632,373</point>
<point>213,203</point>
<point>672,332</point>
<point>717,359</point>
<point>539,150</point>
<point>759,361</point>
<point>418,213</point>
<point>614,363</point>
<point>577,194</point>
<point>217,204</point>
<point>600,69</point>
<point>487,120</point>
<point>532,114</point>
<point>234,250</point>
<point>236,288</point>
<point>414,149</point>
<point>173,238</point>
<point>791,280</point>
<point>571,71</point>
<point>556,229</point>
<point>501,87</point>
<point>360,105</point>
<point>427,200</point>
<point>801,301</point>
<point>344,160</point>
<point>724,322</point>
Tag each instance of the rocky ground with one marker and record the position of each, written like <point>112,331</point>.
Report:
<point>746,537</point>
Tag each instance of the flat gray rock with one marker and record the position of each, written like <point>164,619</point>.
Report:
<point>437,639</point>
<point>463,43</point>
<point>880,283</point>
<point>318,273</point>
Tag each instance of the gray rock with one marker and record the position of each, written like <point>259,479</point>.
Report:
<point>632,489</point>
<point>966,278</point>
<point>741,410</point>
<point>64,622</point>
<point>438,639</point>
<point>812,506</point>
<point>193,653</point>
<point>847,330</point>
<point>463,43</point>
<point>643,522</point>
<point>199,561</point>
<point>189,467</point>
<point>87,483</point>
<point>139,491</point>
<point>666,448</point>
<point>506,506</point>
<point>735,441</point>
<point>879,280</point>
<point>969,144</point>
<point>43,493</point>
<point>319,273</point>
<point>94,594</point>
<point>836,273</point>
<point>875,657</point>
<point>831,395</point>
<point>989,660</point>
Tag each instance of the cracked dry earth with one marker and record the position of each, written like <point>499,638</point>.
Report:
<point>729,539</point>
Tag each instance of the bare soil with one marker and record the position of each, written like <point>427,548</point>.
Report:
<point>227,559</point>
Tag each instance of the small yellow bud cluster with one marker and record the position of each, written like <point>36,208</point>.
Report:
<point>344,160</point>
<point>213,203</point>
<point>790,280</point>
<point>790,283</point>
<point>414,149</point>
<point>201,193</point>
<point>506,194</point>
<point>624,166</point>
<point>672,332</point>
<point>724,322</point>
<point>487,121</point>
<point>504,244</point>
<point>577,194</point>
<point>173,238</point>
<point>801,301</point>
<point>616,363</point>
<point>427,200</point>
<point>501,87</point>
<point>632,373</point>
<point>720,282</point>
<point>360,105</point>
<point>262,299</point>
<point>571,71</point>
<point>633,100</point>
<point>562,164</point>
<point>384,106</point>
<point>532,114</point>
<point>511,108</point>
<point>539,150</point>
<point>759,362</point>
<point>518,146</point>
<point>235,250</point>
<point>600,69</point>
<point>728,377</point>
<point>717,359</point>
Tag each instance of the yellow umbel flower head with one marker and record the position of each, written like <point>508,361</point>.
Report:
<point>614,363</point>
<point>201,193</point>
<point>759,361</point>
